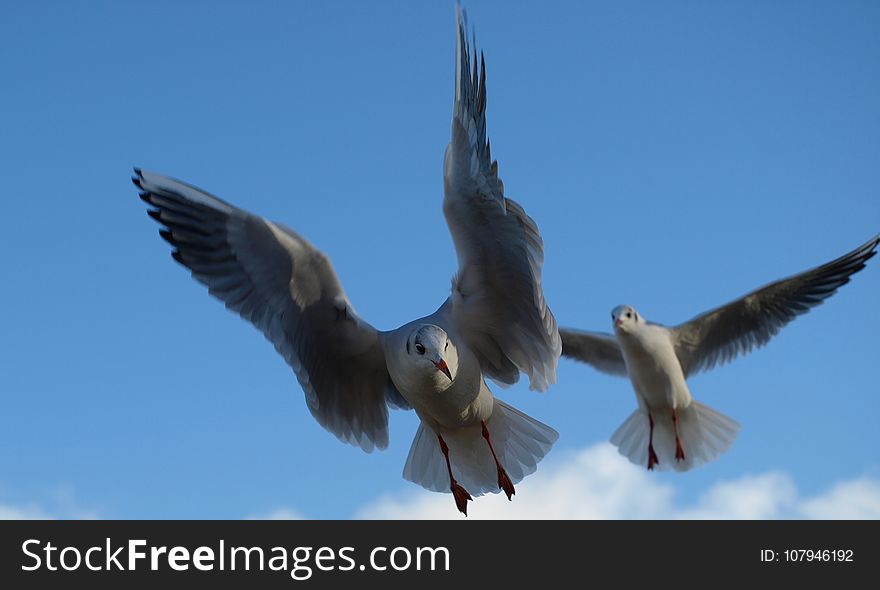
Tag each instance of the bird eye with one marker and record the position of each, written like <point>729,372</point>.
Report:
<point>629,315</point>
<point>447,345</point>
<point>420,348</point>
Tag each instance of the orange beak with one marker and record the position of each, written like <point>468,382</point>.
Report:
<point>442,366</point>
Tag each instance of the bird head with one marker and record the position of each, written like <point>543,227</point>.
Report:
<point>433,354</point>
<point>625,318</point>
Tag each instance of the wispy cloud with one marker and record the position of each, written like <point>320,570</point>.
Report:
<point>24,512</point>
<point>281,513</point>
<point>751,497</point>
<point>855,499</point>
<point>62,505</point>
<point>597,483</point>
<point>32,511</point>
<point>594,483</point>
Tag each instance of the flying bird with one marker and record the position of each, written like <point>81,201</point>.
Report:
<point>670,429</point>
<point>495,323</point>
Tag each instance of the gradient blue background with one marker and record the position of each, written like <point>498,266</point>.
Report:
<point>674,155</point>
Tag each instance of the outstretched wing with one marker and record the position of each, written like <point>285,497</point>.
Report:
<point>720,335</point>
<point>497,299</point>
<point>276,280</point>
<point>594,348</point>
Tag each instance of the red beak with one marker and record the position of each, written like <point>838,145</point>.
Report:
<point>618,322</point>
<point>442,366</point>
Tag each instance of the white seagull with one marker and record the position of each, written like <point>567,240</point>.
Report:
<point>670,429</point>
<point>494,324</point>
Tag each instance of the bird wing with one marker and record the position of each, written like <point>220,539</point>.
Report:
<point>720,335</point>
<point>497,300</point>
<point>288,289</point>
<point>594,348</point>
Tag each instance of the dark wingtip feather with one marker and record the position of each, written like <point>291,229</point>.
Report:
<point>849,264</point>
<point>175,254</point>
<point>872,247</point>
<point>155,214</point>
<point>167,236</point>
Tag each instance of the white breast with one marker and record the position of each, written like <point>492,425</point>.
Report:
<point>465,402</point>
<point>654,368</point>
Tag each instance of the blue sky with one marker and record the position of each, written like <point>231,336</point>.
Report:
<point>674,156</point>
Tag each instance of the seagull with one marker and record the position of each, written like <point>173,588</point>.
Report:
<point>495,323</point>
<point>670,429</point>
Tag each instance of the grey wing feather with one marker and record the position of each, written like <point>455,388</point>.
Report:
<point>497,299</point>
<point>279,282</point>
<point>594,348</point>
<point>720,335</point>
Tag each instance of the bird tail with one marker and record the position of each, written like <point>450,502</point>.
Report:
<point>519,441</point>
<point>704,435</point>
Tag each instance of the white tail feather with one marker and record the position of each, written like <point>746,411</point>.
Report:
<point>704,435</point>
<point>519,440</point>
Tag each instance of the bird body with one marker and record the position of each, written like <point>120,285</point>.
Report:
<point>668,419</point>
<point>653,368</point>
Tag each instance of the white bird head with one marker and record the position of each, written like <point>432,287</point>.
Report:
<point>432,353</point>
<point>625,318</point>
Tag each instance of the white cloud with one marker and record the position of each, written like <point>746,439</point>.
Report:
<point>597,483</point>
<point>752,497</point>
<point>37,512</point>
<point>849,500</point>
<point>27,512</point>
<point>62,505</point>
<point>281,513</point>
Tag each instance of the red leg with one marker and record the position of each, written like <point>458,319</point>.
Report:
<point>652,456</point>
<point>679,452</point>
<point>459,493</point>
<point>503,479</point>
